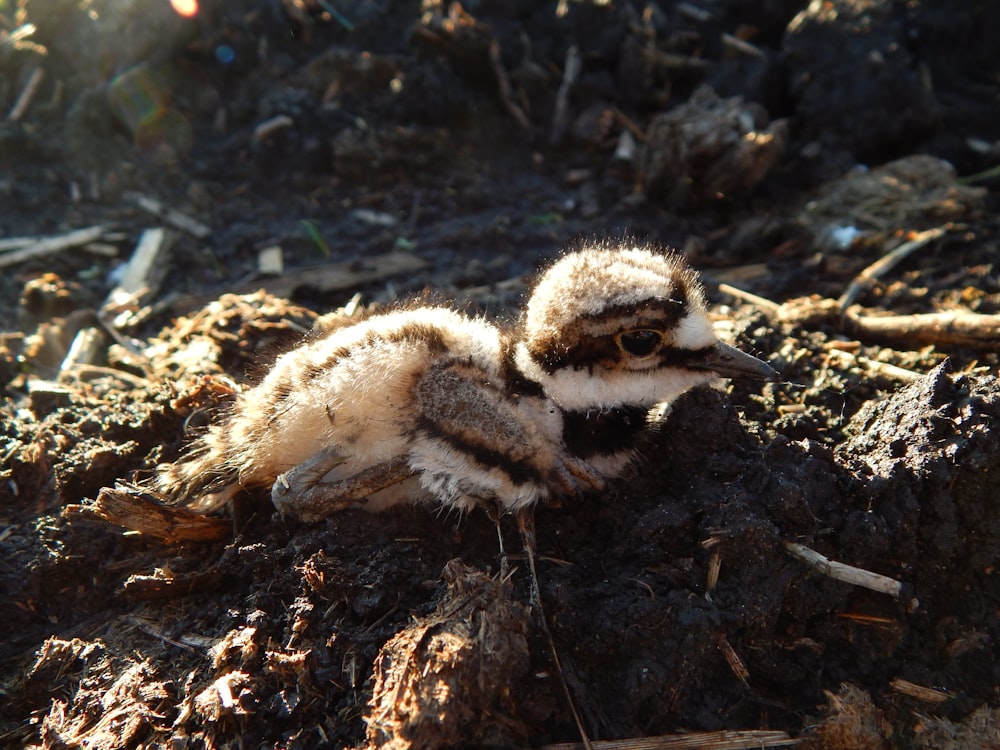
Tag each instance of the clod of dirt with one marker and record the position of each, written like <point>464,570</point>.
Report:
<point>708,148</point>
<point>850,63</point>
<point>928,465</point>
<point>449,680</point>
<point>914,192</point>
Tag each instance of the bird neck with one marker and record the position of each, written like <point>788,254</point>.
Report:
<point>604,432</point>
<point>587,430</point>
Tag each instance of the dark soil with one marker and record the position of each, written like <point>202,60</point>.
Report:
<point>673,603</point>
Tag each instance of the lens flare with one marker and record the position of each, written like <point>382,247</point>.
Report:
<point>225,54</point>
<point>186,8</point>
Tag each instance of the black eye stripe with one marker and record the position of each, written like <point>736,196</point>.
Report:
<point>591,351</point>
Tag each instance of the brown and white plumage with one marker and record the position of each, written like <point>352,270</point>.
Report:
<point>430,404</point>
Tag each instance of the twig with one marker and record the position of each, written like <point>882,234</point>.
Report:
<point>920,692</point>
<point>886,369</point>
<point>503,82</point>
<point>571,70</point>
<point>630,125</point>
<point>49,245</point>
<point>526,525</point>
<point>734,660</point>
<point>694,12</point>
<point>769,308</point>
<point>741,45</point>
<point>842,572</point>
<point>941,329</point>
<point>27,94</point>
<point>886,263</point>
<point>14,243</point>
<point>266,129</point>
<point>171,216</point>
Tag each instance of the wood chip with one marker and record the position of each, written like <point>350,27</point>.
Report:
<point>271,261</point>
<point>145,270</point>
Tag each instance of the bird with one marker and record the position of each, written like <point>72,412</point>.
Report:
<point>426,404</point>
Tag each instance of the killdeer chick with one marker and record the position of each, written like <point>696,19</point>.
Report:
<point>428,404</point>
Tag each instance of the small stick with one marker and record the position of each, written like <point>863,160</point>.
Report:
<point>769,308</point>
<point>842,572</point>
<point>266,129</point>
<point>571,70</point>
<point>506,92</point>
<point>526,525</point>
<point>952,328</point>
<point>171,216</point>
<point>886,263</point>
<point>734,660</point>
<point>920,692</point>
<point>880,368</point>
<point>741,45</point>
<point>714,566</point>
<point>630,125</point>
<point>694,12</point>
<point>13,243</point>
<point>49,245</point>
<point>27,94</point>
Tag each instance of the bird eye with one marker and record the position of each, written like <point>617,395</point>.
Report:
<point>640,343</point>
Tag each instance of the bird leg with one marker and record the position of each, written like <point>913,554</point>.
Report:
<point>302,494</point>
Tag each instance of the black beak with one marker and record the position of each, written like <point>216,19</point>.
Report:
<point>729,362</point>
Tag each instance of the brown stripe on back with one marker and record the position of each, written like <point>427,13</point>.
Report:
<point>519,472</point>
<point>427,333</point>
